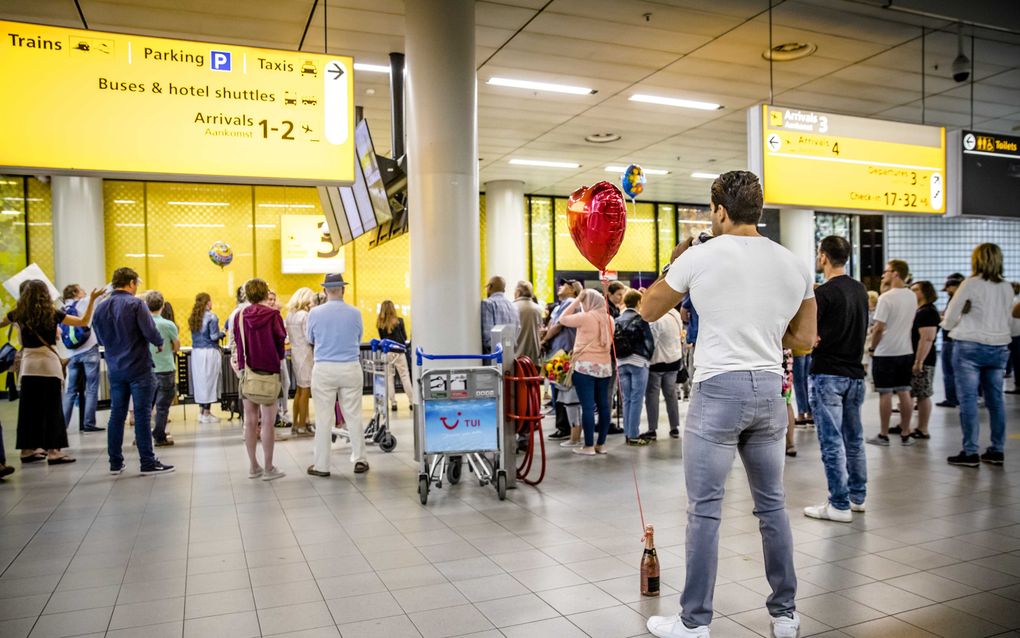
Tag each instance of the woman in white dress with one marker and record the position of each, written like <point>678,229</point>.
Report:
<point>300,356</point>
<point>206,357</point>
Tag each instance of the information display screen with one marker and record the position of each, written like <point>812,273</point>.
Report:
<point>133,106</point>
<point>823,161</point>
<point>990,171</point>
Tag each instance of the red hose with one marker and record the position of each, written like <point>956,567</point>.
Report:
<point>526,414</point>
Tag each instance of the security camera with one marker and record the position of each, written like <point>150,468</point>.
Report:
<point>961,68</point>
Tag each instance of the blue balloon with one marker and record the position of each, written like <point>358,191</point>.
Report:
<point>633,181</point>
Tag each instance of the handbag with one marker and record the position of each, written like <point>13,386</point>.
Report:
<point>8,352</point>
<point>258,387</point>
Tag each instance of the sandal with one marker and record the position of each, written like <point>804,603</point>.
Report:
<point>61,460</point>
<point>360,467</point>
<point>32,458</point>
<point>917,434</point>
<point>791,451</point>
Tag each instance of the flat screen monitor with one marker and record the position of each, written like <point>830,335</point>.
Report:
<point>373,181</point>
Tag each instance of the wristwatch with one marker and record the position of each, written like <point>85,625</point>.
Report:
<point>665,269</point>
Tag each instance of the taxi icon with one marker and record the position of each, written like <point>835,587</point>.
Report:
<point>309,68</point>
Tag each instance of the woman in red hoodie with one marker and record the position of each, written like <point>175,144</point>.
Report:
<point>259,336</point>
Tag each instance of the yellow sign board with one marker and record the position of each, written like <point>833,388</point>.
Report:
<point>133,106</point>
<point>306,247</point>
<point>825,161</point>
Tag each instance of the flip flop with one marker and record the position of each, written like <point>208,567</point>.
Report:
<point>360,467</point>
<point>32,458</point>
<point>61,460</point>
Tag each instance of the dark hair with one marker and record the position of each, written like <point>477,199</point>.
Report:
<point>256,290</point>
<point>927,290</point>
<point>123,277</point>
<point>35,308</point>
<point>900,267</point>
<point>632,299</point>
<point>836,249</point>
<point>168,312</point>
<point>70,291</point>
<point>615,287</point>
<point>740,193</point>
<point>154,300</point>
<point>202,300</point>
<point>239,295</point>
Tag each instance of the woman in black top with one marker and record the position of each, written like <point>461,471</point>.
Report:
<point>922,335</point>
<point>391,327</point>
<point>40,415</point>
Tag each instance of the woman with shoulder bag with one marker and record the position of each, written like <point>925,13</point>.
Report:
<point>259,335</point>
<point>40,413</point>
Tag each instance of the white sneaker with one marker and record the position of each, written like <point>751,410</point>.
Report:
<point>571,444</point>
<point>827,512</point>
<point>673,627</point>
<point>271,474</point>
<point>783,627</point>
<point>856,507</point>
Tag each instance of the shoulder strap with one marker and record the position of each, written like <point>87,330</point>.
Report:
<point>43,341</point>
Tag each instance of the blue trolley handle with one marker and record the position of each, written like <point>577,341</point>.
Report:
<point>386,345</point>
<point>497,356</point>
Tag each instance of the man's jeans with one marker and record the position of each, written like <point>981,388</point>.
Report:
<point>979,365</point>
<point>1014,353</point>
<point>736,412</point>
<point>165,391</point>
<point>664,382</point>
<point>122,391</point>
<point>633,381</point>
<point>801,372</point>
<point>948,374</point>
<point>836,407</point>
<point>83,363</point>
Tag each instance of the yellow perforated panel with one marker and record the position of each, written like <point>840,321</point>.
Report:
<point>124,212</point>
<point>542,268</point>
<point>637,252</point>
<point>382,273</point>
<point>667,232</point>
<point>271,202</point>
<point>40,228</point>
<point>13,257</point>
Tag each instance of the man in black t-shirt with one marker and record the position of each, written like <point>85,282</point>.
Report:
<point>837,383</point>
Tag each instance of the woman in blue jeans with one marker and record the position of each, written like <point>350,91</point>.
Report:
<point>978,320</point>
<point>593,369</point>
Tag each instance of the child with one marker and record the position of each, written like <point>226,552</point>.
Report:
<point>572,406</point>
<point>791,448</point>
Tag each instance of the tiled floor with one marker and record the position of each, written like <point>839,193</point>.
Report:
<point>205,552</point>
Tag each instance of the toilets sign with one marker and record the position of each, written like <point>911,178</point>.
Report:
<point>113,105</point>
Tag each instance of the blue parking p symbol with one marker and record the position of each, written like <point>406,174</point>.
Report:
<point>219,60</point>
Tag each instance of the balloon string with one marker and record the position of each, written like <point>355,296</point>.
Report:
<point>637,490</point>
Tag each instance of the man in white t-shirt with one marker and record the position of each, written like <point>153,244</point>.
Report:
<point>754,298</point>
<point>892,351</point>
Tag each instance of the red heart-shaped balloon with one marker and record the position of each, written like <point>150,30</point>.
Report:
<point>597,218</point>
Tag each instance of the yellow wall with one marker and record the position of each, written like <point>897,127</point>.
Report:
<point>637,252</point>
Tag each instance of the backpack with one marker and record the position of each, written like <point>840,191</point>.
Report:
<point>73,337</point>
<point>627,339</point>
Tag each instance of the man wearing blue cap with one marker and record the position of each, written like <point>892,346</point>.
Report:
<point>334,330</point>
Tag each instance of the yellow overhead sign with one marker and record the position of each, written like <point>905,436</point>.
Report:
<point>819,160</point>
<point>134,106</point>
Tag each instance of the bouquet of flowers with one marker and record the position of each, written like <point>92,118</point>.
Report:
<point>557,368</point>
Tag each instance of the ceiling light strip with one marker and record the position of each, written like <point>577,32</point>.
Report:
<point>544,163</point>
<point>674,101</point>
<point>650,171</point>
<point>541,86</point>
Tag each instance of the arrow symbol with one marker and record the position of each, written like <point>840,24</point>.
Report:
<point>774,142</point>
<point>336,71</point>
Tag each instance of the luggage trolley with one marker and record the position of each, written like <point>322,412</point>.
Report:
<point>376,364</point>
<point>460,419</point>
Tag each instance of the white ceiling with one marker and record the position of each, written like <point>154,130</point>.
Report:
<point>868,63</point>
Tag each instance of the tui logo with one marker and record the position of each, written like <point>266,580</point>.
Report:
<point>446,425</point>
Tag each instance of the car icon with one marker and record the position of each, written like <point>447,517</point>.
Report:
<point>290,101</point>
<point>309,101</point>
<point>308,68</point>
<point>83,46</point>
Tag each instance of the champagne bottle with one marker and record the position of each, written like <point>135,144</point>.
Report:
<point>649,566</point>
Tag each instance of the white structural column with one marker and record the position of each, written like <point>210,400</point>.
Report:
<point>79,238</point>
<point>442,153</point>
<point>504,231</point>
<point>797,232</point>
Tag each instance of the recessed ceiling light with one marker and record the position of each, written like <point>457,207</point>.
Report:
<point>371,68</point>
<point>541,86</point>
<point>602,138</point>
<point>789,51</point>
<point>674,101</point>
<point>544,163</point>
<point>700,175</point>
<point>650,171</point>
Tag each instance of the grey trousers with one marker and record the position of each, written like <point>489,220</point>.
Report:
<point>736,412</point>
<point>664,382</point>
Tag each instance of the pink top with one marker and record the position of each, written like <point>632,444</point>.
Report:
<point>594,336</point>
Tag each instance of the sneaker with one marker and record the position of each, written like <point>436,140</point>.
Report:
<point>648,436</point>
<point>785,626</point>
<point>638,442</point>
<point>947,404</point>
<point>615,430</point>
<point>559,435</point>
<point>256,474</point>
<point>164,443</point>
<point>673,627</point>
<point>158,468</point>
<point>856,507</point>
<point>827,512</point>
<point>995,458</point>
<point>674,434</point>
<point>919,435</point>
<point>584,451</point>
<point>117,470</point>
<point>879,440</point>
<point>906,441</point>
<point>895,430</point>
<point>571,444</point>
<point>964,460</point>
<point>272,474</point>
<point>393,407</point>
